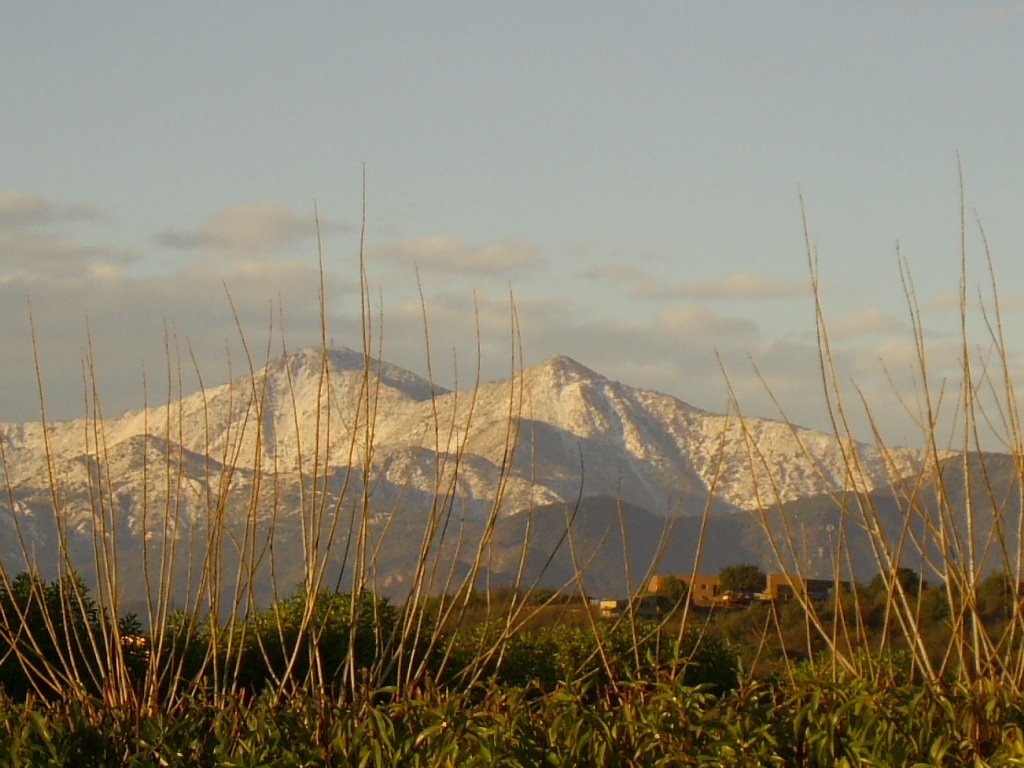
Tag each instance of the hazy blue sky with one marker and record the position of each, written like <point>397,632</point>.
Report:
<point>630,171</point>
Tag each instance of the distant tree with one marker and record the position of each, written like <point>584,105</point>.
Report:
<point>744,578</point>
<point>996,595</point>
<point>909,579</point>
<point>933,607</point>
<point>671,590</point>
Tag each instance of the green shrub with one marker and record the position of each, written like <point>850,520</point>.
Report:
<point>292,639</point>
<point>49,636</point>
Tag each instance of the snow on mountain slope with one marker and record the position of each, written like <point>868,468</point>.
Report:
<point>574,431</point>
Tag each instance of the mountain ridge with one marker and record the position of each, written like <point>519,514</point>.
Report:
<point>572,425</point>
<point>369,443</point>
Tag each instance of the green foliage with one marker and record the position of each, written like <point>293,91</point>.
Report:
<point>611,693</point>
<point>548,657</point>
<point>804,721</point>
<point>297,639</point>
<point>909,580</point>
<point>48,635</point>
<point>743,578</point>
<point>996,597</point>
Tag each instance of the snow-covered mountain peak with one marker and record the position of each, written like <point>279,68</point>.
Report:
<point>558,372</point>
<point>305,366</point>
<point>640,445</point>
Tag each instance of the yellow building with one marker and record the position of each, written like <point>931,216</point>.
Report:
<point>703,588</point>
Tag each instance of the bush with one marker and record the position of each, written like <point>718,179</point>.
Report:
<point>278,641</point>
<point>47,636</point>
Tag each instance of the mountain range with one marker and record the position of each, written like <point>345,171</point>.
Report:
<point>551,468</point>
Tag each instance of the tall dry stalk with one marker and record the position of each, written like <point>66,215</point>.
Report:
<point>956,526</point>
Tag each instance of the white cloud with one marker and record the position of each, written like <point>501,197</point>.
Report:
<point>618,273</point>
<point>1013,303</point>
<point>739,285</point>
<point>445,254</point>
<point>702,325</point>
<point>71,282</point>
<point>128,317</point>
<point>32,252</point>
<point>247,231</point>
<point>870,321</point>
<point>19,209</point>
<point>36,256</point>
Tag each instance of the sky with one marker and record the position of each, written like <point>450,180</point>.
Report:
<point>627,176</point>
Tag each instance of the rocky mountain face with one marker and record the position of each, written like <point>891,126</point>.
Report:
<point>318,446</point>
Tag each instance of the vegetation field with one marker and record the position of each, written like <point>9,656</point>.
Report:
<point>731,686</point>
